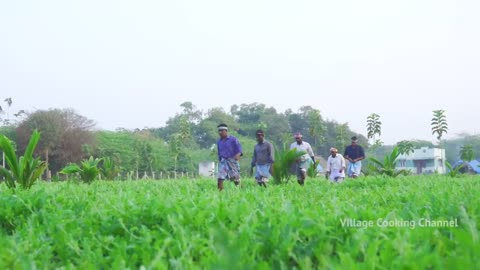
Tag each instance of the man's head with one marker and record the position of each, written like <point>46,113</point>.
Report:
<point>260,135</point>
<point>354,140</point>
<point>333,151</point>
<point>298,137</point>
<point>222,130</point>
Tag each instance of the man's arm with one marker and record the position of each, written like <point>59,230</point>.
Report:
<point>254,158</point>
<point>345,155</point>
<point>343,164</point>
<point>238,151</point>
<point>310,152</point>
<point>271,151</point>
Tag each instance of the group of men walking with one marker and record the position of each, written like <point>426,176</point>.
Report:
<point>230,151</point>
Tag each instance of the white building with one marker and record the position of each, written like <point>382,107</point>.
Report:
<point>206,168</point>
<point>423,161</point>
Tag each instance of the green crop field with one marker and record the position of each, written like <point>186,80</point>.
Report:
<point>185,224</point>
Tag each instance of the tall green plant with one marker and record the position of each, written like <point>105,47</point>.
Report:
<point>317,127</point>
<point>405,147</point>
<point>109,169</point>
<point>374,127</point>
<point>439,124</point>
<point>284,160</point>
<point>312,170</point>
<point>453,172</point>
<point>467,153</point>
<point>387,167</point>
<point>88,169</point>
<point>341,135</point>
<point>24,170</point>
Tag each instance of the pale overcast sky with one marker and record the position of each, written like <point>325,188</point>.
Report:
<point>132,63</point>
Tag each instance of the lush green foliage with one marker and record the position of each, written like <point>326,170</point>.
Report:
<point>88,170</point>
<point>189,225</point>
<point>388,166</point>
<point>284,160</point>
<point>453,172</point>
<point>312,170</point>
<point>439,123</point>
<point>467,153</point>
<point>405,147</point>
<point>24,170</point>
<point>374,127</point>
<point>109,169</point>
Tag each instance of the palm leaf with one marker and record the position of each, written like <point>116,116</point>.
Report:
<point>10,181</point>
<point>10,156</point>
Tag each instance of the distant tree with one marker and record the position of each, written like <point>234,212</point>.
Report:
<point>276,125</point>
<point>190,111</point>
<point>132,151</point>
<point>342,137</point>
<point>64,132</point>
<point>6,122</point>
<point>248,113</point>
<point>422,143</point>
<point>454,146</point>
<point>316,127</point>
<point>179,142</point>
<point>405,147</point>
<point>439,124</point>
<point>374,127</point>
<point>467,153</point>
<point>205,134</point>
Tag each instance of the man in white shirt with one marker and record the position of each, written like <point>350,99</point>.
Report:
<point>336,166</point>
<point>304,161</point>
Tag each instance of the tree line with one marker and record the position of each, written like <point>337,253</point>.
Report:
<point>190,136</point>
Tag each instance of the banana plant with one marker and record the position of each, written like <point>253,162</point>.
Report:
<point>453,172</point>
<point>387,167</point>
<point>88,169</point>
<point>24,170</point>
<point>108,169</point>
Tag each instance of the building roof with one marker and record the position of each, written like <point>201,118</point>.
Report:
<point>474,165</point>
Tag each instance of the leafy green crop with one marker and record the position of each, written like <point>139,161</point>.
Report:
<point>185,224</point>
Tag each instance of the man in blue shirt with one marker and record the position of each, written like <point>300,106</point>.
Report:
<point>229,152</point>
<point>354,154</point>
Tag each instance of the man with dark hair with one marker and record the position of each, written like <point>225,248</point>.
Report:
<point>304,161</point>
<point>354,154</point>
<point>263,157</point>
<point>229,152</point>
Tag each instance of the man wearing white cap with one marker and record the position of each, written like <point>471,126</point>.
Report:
<point>304,161</point>
<point>229,152</point>
<point>336,166</point>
